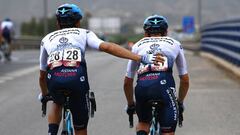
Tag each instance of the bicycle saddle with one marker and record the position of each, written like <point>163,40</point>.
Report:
<point>156,103</point>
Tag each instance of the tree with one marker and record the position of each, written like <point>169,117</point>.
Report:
<point>36,28</point>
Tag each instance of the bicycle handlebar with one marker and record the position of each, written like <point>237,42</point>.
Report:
<point>180,120</point>
<point>130,118</point>
<point>93,104</point>
<point>44,105</point>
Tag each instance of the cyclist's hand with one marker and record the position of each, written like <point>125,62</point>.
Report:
<point>181,110</point>
<point>131,109</point>
<point>147,59</point>
<point>158,58</point>
<point>181,107</point>
<point>43,98</point>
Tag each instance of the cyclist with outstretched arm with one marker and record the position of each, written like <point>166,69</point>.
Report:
<point>156,82</point>
<point>63,66</point>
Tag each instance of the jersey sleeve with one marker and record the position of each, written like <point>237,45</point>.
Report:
<point>132,66</point>
<point>181,62</point>
<point>93,41</point>
<point>43,57</point>
<point>131,69</point>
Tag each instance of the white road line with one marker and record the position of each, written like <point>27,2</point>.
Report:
<point>18,73</point>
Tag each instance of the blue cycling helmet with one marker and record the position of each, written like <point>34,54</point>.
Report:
<point>155,24</point>
<point>68,14</point>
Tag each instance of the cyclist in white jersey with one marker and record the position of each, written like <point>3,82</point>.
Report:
<point>63,66</point>
<point>7,30</point>
<point>155,82</point>
<point>7,33</point>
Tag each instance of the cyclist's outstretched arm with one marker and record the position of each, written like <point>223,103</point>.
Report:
<point>118,51</point>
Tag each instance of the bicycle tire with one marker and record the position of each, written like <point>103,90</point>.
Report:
<point>69,123</point>
<point>154,132</point>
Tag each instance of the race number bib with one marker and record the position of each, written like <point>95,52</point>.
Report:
<point>55,59</point>
<point>69,57</point>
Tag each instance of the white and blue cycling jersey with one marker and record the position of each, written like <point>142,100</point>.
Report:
<point>62,56</point>
<point>7,24</point>
<point>66,47</point>
<point>156,82</point>
<point>169,47</point>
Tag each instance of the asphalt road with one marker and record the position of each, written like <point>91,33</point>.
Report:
<point>212,105</point>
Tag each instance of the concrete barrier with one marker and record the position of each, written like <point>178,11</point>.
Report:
<point>20,43</point>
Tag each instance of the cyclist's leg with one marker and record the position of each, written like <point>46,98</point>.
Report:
<point>169,113</point>
<point>55,112</point>
<point>7,38</point>
<point>79,108</point>
<point>79,105</point>
<point>79,102</point>
<point>54,118</point>
<point>143,111</point>
<point>166,92</point>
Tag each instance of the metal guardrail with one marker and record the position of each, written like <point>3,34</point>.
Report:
<point>20,43</point>
<point>223,40</point>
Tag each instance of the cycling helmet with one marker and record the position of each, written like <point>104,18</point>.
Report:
<point>155,24</point>
<point>7,19</point>
<point>68,14</point>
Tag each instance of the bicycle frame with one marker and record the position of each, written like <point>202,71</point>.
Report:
<point>155,126</point>
<point>67,123</point>
<point>4,51</point>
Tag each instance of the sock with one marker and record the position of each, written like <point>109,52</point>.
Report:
<point>141,132</point>
<point>53,129</point>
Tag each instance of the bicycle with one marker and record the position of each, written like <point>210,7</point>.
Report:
<point>5,51</point>
<point>155,127</point>
<point>67,123</point>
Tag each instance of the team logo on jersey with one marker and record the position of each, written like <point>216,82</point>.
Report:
<point>63,40</point>
<point>155,48</point>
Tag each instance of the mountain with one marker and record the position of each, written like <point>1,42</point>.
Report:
<point>134,11</point>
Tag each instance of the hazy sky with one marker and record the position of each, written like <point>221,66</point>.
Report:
<point>129,10</point>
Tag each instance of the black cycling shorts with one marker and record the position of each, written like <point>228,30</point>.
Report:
<point>157,86</point>
<point>75,82</point>
<point>7,37</point>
